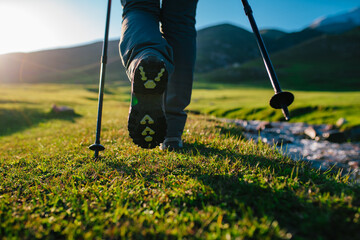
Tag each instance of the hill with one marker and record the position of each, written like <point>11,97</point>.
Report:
<point>290,39</point>
<point>225,53</point>
<point>225,45</point>
<point>68,65</point>
<point>327,62</point>
<point>272,34</point>
<point>217,47</point>
<point>338,23</point>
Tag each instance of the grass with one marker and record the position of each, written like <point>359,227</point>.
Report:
<point>220,187</point>
<point>244,102</point>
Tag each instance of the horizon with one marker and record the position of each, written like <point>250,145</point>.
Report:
<point>24,31</point>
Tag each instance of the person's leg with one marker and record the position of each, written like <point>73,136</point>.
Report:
<point>141,36</point>
<point>148,60</point>
<point>178,27</point>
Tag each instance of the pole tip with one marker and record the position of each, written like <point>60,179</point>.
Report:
<point>286,113</point>
<point>96,148</point>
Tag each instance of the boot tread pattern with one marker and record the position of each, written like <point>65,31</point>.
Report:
<point>147,122</point>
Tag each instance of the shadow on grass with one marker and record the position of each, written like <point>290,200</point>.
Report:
<point>96,90</point>
<point>16,120</point>
<point>236,132</point>
<point>14,101</point>
<point>307,216</point>
<point>301,200</point>
<point>247,199</point>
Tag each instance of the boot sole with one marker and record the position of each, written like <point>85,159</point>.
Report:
<point>147,122</point>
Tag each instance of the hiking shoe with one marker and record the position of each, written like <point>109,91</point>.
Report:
<point>171,144</point>
<point>147,122</point>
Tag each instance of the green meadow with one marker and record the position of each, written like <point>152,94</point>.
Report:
<point>220,186</point>
<point>244,102</point>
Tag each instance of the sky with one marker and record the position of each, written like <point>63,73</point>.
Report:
<point>32,25</point>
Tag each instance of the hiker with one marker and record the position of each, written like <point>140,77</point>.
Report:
<point>157,48</point>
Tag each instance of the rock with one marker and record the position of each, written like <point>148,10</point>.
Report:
<point>354,134</point>
<point>328,127</point>
<point>353,164</point>
<point>61,109</point>
<point>263,125</point>
<point>311,132</point>
<point>284,139</point>
<point>340,122</point>
<point>334,136</point>
<point>291,139</point>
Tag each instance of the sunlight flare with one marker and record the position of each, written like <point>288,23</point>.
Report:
<point>23,29</point>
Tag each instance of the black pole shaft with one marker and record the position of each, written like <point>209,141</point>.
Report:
<point>102,77</point>
<point>281,100</point>
<point>269,67</point>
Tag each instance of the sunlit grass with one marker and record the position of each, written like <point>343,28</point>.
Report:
<point>253,104</point>
<point>220,187</point>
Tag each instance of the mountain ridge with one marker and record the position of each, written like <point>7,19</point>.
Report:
<point>337,23</point>
<point>221,48</point>
<point>326,63</point>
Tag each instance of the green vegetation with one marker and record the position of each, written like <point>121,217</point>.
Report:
<point>245,102</point>
<point>220,187</point>
<point>216,47</point>
<point>324,63</point>
<point>308,60</point>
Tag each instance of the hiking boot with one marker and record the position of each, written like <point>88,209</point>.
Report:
<point>147,122</point>
<point>171,144</point>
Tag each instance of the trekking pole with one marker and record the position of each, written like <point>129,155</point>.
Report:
<point>281,100</point>
<point>97,146</point>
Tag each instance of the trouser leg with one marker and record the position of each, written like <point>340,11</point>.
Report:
<point>178,27</point>
<point>141,35</point>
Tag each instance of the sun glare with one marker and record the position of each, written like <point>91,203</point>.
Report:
<point>27,26</point>
<point>21,29</point>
